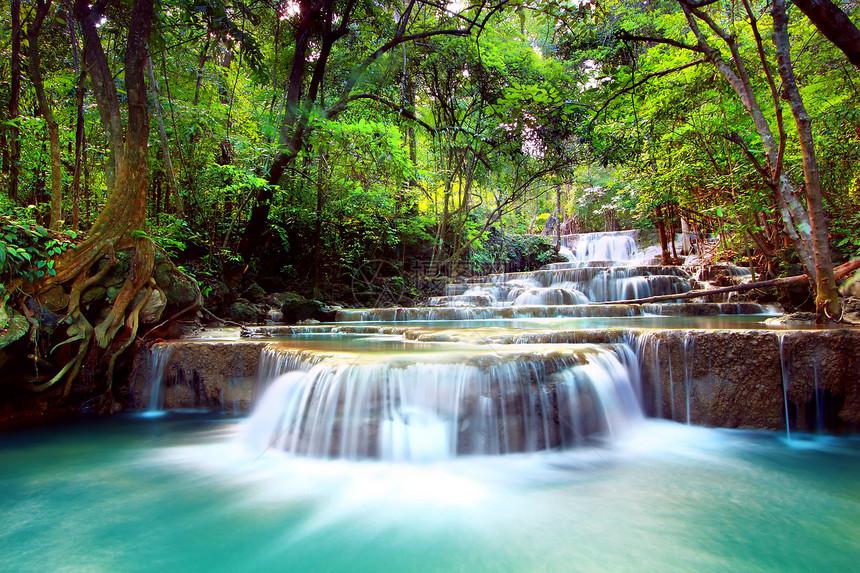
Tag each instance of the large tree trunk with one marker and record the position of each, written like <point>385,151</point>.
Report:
<point>81,72</point>
<point>794,215</point>
<point>834,24</point>
<point>290,135</point>
<point>14,94</point>
<point>162,133</point>
<point>665,257</point>
<point>317,18</point>
<point>42,9</point>
<point>827,297</point>
<point>120,223</point>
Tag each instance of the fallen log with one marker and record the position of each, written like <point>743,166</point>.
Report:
<point>839,273</point>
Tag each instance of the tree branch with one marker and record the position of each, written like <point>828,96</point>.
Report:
<point>644,79</point>
<point>839,272</point>
<point>625,35</point>
<point>398,108</point>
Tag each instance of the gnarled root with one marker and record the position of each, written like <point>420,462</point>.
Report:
<point>107,349</point>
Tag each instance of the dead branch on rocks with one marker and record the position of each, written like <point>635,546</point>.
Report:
<point>839,272</point>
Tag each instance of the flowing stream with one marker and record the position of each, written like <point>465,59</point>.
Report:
<point>369,450</point>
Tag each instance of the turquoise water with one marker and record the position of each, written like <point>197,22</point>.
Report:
<point>181,493</point>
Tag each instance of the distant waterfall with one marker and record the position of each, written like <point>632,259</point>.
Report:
<point>611,248</point>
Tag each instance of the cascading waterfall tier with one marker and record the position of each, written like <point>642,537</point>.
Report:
<point>567,285</point>
<point>437,405</point>
<point>601,267</point>
<point>584,248</point>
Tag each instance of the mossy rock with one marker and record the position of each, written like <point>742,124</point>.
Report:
<point>13,326</point>
<point>851,286</point>
<point>296,308</point>
<point>244,311</point>
<point>216,296</point>
<point>180,290</point>
<point>255,294</point>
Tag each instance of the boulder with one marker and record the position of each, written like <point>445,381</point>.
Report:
<point>216,296</point>
<point>153,309</point>
<point>851,287</point>
<point>13,326</point>
<point>243,311</point>
<point>255,294</point>
<point>296,308</point>
<point>180,290</point>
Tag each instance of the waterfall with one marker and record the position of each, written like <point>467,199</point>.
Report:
<point>613,247</point>
<point>430,406</point>
<point>784,364</point>
<point>159,356</point>
<point>688,349</point>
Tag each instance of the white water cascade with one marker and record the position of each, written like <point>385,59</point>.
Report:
<point>617,247</point>
<point>439,405</point>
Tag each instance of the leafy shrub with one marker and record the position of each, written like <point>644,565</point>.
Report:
<point>27,251</point>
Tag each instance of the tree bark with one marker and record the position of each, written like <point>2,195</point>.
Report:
<point>42,8</point>
<point>165,147</point>
<point>14,95</point>
<point>827,297</point>
<point>104,87</point>
<point>794,215</point>
<point>664,242</point>
<point>835,25</point>
<point>200,70</point>
<point>80,90</point>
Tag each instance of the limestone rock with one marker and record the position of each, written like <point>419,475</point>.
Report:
<point>216,296</point>
<point>153,309</point>
<point>181,291</point>
<point>255,294</point>
<point>54,299</point>
<point>851,286</point>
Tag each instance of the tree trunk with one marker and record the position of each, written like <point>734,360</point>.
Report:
<point>42,9</point>
<point>794,215</point>
<point>200,70</point>
<point>827,297</point>
<point>80,90</point>
<point>664,243</point>
<point>165,148</point>
<point>560,216</point>
<point>120,223</point>
<point>14,95</point>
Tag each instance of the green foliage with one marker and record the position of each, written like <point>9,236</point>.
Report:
<point>512,253</point>
<point>27,251</point>
<point>546,96</point>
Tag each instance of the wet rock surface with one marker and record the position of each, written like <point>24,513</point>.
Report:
<point>213,375</point>
<point>739,379</point>
<point>721,378</point>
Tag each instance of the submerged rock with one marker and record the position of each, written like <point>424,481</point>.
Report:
<point>793,318</point>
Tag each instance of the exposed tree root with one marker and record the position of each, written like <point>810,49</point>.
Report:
<point>76,269</point>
